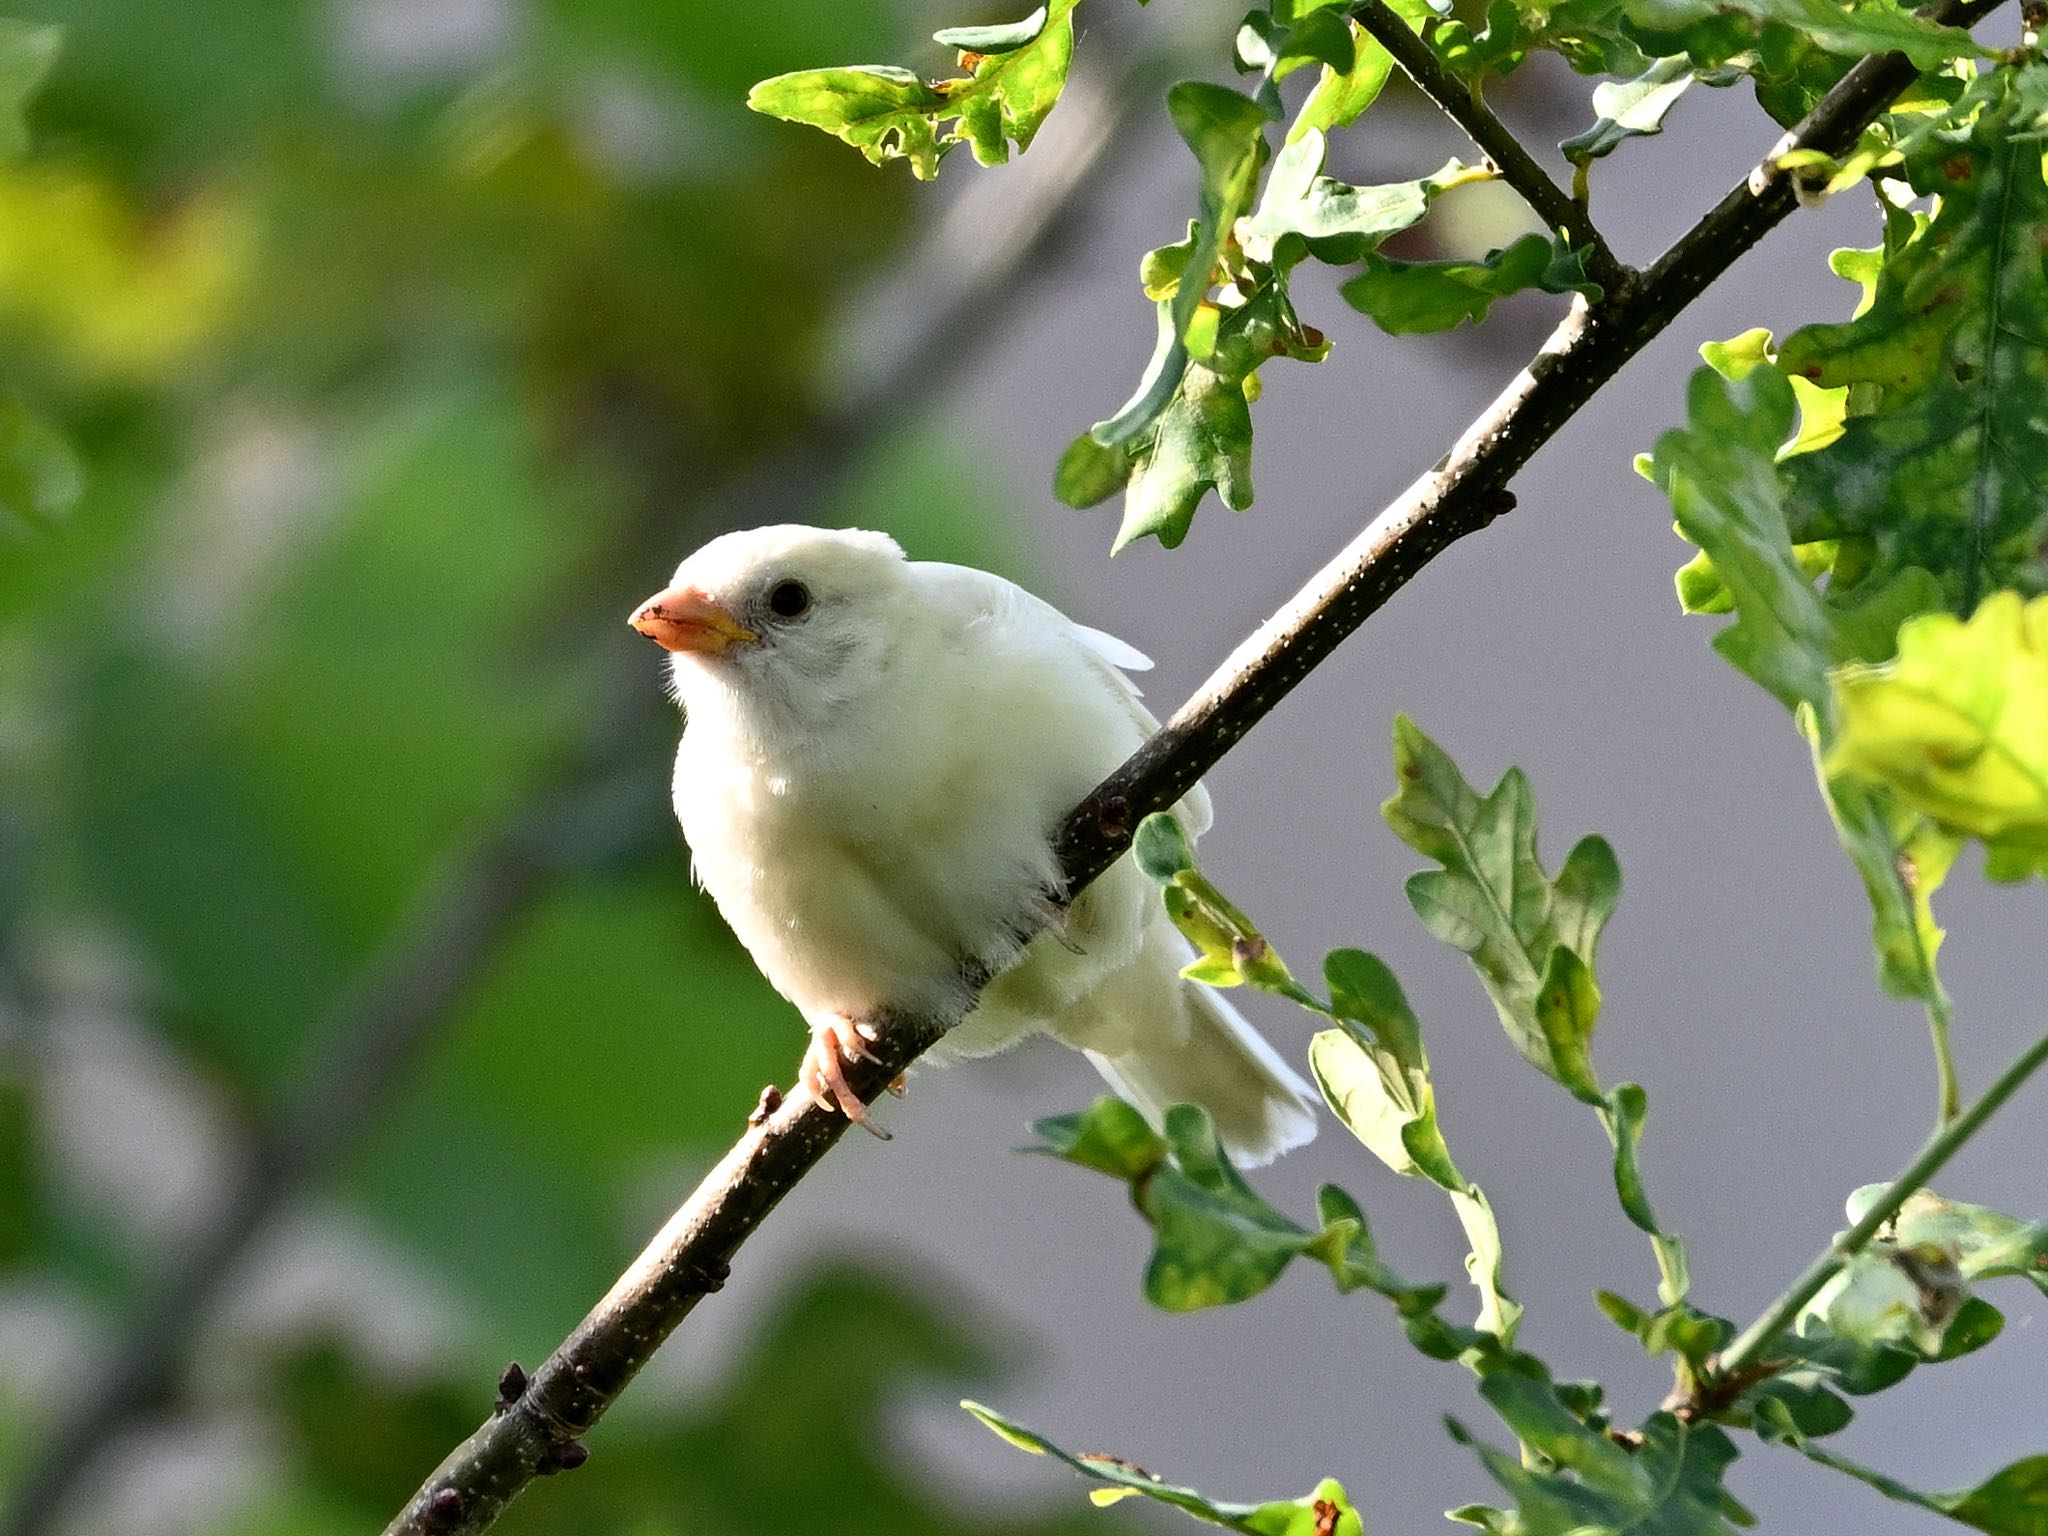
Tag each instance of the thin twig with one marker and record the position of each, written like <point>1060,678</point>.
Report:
<point>1748,1349</point>
<point>537,1429</point>
<point>1557,208</point>
<point>408,990</point>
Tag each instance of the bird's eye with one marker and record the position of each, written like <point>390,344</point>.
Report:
<point>790,599</point>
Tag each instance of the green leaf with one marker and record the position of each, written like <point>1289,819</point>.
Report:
<point>1725,475</point>
<point>1407,298</point>
<point>1326,1512</point>
<point>1986,1244</point>
<point>1906,1297</point>
<point>1627,1107</point>
<point>1630,109</point>
<point>1346,1245</point>
<point>1679,1329</point>
<point>1088,473</point>
<point>1374,1072</point>
<point>1567,1008</point>
<point>1795,1404</point>
<point>1355,1263</point>
<point>1202,439</point>
<point>1216,1240</point>
<point>40,477</point>
<point>1112,1138</point>
<point>1231,950</point>
<point>1728,492</point>
<point>1005,37</point>
<point>1890,1294</point>
<point>1531,939</point>
<point>1853,30</point>
<point>1199,441</point>
<point>1956,728</point>
<point>1721,473</point>
<point>1371,1068</point>
<point>1903,859</point>
<point>1591,36</point>
<point>892,114</point>
<point>1265,42</point>
<point>1940,467</point>
<point>1161,848</point>
<point>1227,132</point>
<point>1499,1313</point>
<point>1671,1485</point>
<point>1341,96</point>
<point>1492,899</point>
<point>1540,1419</point>
<point>885,112</point>
<point>1335,221</point>
<point>27,51</point>
<point>1187,429</point>
<point>2011,1502</point>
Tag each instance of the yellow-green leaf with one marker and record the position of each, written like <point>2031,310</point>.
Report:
<point>1957,726</point>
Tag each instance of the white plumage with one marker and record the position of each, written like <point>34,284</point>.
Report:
<point>876,754</point>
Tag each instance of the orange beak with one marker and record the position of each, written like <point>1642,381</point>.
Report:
<point>685,619</point>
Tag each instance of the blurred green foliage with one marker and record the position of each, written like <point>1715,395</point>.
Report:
<point>758,1457</point>
<point>359,365</point>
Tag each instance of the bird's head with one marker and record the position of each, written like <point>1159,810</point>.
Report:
<point>782,622</point>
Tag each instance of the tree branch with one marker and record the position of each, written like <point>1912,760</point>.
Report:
<point>1558,209</point>
<point>538,1424</point>
<point>409,988</point>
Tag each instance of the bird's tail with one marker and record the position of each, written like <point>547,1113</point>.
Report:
<point>1183,1043</point>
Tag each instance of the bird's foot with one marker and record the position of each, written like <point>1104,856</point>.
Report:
<point>1054,916</point>
<point>835,1041</point>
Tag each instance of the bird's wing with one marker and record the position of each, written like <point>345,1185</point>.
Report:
<point>1110,659</point>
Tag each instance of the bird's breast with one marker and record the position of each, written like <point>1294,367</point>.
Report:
<point>840,912</point>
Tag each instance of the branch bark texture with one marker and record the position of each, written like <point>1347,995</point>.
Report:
<point>537,1427</point>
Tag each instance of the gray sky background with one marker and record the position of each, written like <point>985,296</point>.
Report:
<point>1738,976</point>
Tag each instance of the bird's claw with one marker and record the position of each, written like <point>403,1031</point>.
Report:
<point>834,1042</point>
<point>1054,917</point>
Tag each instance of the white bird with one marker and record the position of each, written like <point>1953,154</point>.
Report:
<point>875,757</point>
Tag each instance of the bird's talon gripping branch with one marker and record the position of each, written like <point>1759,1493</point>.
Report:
<point>835,1041</point>
<point>1054,917</point>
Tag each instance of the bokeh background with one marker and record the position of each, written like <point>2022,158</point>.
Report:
<point>357,1021</point>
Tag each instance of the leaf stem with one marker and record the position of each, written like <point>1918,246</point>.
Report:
<point>1948,1090</point>
<point>1518,168</point>
<point>1674,1277</point>
<point>1943,1145</point>
<point>1890,1487</point>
